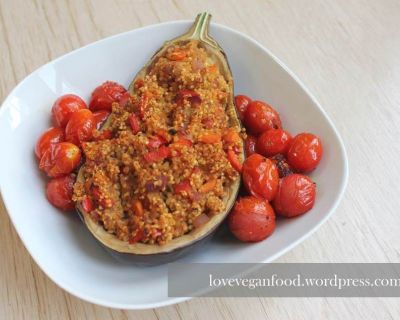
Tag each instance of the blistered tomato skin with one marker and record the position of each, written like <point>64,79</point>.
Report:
<point>305,152</point>
<point>50,136</point>
<point>260,177</point>
<point>284,168</point>
<point>252,219</point>
<point>59,192</point>
<point>250,145</point>
<point>273,142</point>
<point>60,159</point>
<point>295,196</point>
<point>64,107</point>
<point>260,117</point>
<point>241,103</point>
<point>105,95</point>
<point>100,117</point>
<point>80,127</point>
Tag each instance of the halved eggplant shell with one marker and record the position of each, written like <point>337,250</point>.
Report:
<point>152,254</point>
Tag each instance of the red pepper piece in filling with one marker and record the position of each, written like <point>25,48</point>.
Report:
<point>134,123</point>
<point>163,134</point>
<point>137,208</point>
<point>138,84</point>
<point>192,96</point>
<point>183,186</point>
<point>181,143</point>
<point>105,203</point>
<point>160,154</point>
<point>233,159</point>
<point>156,233</point>
<point>184,142</point>
<point>87,204</point>
<point>196,170</point>
<point>96,193</point>
<point>176,55</point>
<point>137,237</point>
<point>156,142</point>
<point>144,101</point>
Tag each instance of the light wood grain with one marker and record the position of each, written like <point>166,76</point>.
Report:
<point>347,52</point>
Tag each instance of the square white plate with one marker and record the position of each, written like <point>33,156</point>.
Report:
<point>60,244</point>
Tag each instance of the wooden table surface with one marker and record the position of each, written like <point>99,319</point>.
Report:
<point>347,52</point>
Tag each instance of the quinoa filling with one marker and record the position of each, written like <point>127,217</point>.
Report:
<point>162,165</point>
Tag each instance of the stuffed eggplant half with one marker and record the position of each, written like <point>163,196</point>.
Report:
<point>164,171</point>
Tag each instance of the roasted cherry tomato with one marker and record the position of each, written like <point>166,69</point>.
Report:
<point>260,176</point>
<point>260,117</point>
<point>105,95</point>
<point>125,99</point>
<point>64,107</point>
<point>60,159</point>
<point>59,192</point>
<point>80,127</point>
<point>102,135</point>
<point>252,219</point>
<point>295,196</point>
<point>305,152</point>
<point>99,118</point>
<point>50,136</point>
<point>283,166</point>
<point>250,145</point>
<point>241,103</point>
<point>272,142</point>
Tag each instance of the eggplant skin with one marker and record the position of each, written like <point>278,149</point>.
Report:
<point>206,232</point>
<point>154,259</point>
<point>159,258</point>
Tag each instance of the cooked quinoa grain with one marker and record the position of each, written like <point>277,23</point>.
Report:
<point>165,168</point>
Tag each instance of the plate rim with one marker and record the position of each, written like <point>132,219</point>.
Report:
<point>170,301</point>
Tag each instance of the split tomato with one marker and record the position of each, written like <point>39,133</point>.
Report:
<point>80,127</point>
<point>273,141</point>
<point>50,136</point>
<point>260,176</point>
<point>260,117</point>
<point>59,192</point>
<point>60,159</point>
<point>305,152</point>
<point>64,107</point>
<point>252,219</point>
<point>105,95</point>
<point>295,196</point>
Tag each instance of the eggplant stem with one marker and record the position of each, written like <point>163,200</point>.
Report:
<point>199,30</point>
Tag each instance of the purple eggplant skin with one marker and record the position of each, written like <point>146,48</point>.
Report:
<point>198,31</point>
<point>147,260</point>
<point>159,258</point>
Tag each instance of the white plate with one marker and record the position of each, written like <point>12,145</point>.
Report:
<point>59,243</point>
